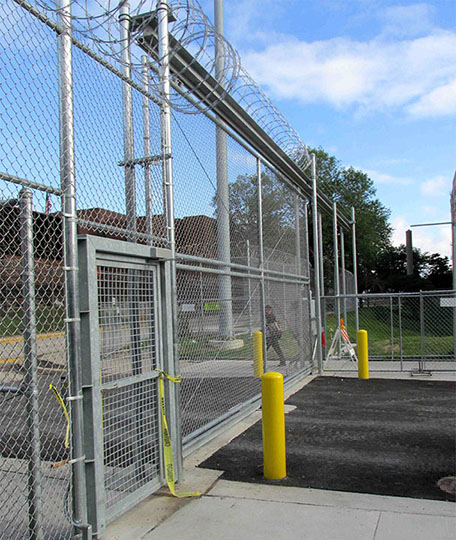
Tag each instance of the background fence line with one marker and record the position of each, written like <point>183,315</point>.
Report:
<point>407,331</point>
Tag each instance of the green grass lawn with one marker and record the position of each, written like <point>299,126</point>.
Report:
<point>376,320</point>
<point>377,323</point>
<point>198,347</point>
<point>48,319</point>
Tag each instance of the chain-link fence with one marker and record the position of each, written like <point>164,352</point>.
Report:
<point>406,331</point>
<point>35,480</point>
<point>91,144</point>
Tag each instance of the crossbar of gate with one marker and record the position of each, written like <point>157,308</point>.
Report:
<point>407,331</point>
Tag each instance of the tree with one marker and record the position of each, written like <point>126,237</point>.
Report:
<point>430,271</point>
<point>381,266</point>
<point>437,271</point>
<point>349,187</point>
<point>346,186</point>
<point>278,217</point>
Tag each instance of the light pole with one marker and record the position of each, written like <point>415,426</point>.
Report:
<point>453,235</point>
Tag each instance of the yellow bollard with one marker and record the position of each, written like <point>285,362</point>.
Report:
<point>272,402</point>
<point>257,354</point>
<point>363,355</point>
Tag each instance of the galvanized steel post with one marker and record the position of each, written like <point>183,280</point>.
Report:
<point>306,237</point>
<point>146,146</point>
<point>320,250</point>
<point>72,321</point>
<point>453,257</point>
<point>223,198</point>
<point>201,300</point>
<point>336,264</point>
<point>130,203</point>
<point>31,366</point>
<point>392,327</point>
<point>127,110</point>
<point>422,344</point>
<point>316,261</point>
<point>401,353</point>
<point>355,269</point>
<point>261,263</point>
<point>344,288</point>
<point>299,315</point>
<point>166,148</point>
<point>249,288</point>
<point>322,279</point>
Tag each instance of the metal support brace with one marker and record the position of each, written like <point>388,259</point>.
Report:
<point>146,160</point>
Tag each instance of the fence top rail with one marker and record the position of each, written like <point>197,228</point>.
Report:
<point>388,295</point>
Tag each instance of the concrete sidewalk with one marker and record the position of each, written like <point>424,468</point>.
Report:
<point>237,511</point>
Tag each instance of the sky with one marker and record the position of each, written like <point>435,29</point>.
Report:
<point>371,81</point>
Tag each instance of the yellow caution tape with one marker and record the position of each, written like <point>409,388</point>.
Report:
<point>65,412</point>
<point>167,448</point>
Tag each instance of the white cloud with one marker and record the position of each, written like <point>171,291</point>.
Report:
<point>242,16</point>
<point>383,178</point>
<point>416,74</point>
<point>400,225</point>
<point>438,102</point>
<point>435,239</point>
<point>436,187</point>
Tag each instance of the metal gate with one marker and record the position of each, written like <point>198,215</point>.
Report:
<point>125,323</point>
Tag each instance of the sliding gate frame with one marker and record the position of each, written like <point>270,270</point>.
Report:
<point>120,355</point>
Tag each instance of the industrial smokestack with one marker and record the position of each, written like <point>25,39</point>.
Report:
<point>409,251</point>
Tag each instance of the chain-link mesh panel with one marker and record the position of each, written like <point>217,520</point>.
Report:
<point>405,331</point>
<point>217,235</point>
<point>218,375</point>
<point>291,350</point>
<point>101,168</point>
<point>438,321</point>
<point>28,98</point>
<point>279,224</point>
<point>35,479</point>
<point>410,321</point>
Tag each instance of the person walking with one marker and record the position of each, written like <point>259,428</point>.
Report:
<point>273,334</point>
